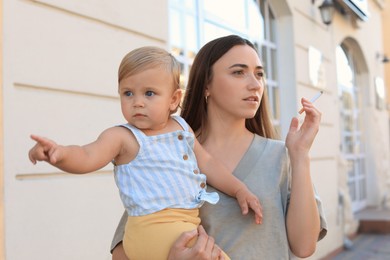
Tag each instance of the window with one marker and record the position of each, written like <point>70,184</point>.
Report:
<point>352,142</point>
<point>194,23</point>
<point>268,54</point>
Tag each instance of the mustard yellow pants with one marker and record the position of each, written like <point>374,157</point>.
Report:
<point>150,237</point>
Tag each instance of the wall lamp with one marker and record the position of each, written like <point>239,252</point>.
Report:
<point>382,58</point>
<point>327,9</point>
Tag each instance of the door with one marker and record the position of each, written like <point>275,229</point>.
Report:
<point>352,143</point>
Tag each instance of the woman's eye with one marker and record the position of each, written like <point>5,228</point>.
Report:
<point>260,74</point>
<point>238,72</point>
<point>128,93</point>
<point>149,93</point>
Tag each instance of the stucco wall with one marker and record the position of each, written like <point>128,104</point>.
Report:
<point>309,31</point>
<point>60,81</point>
<point>328,169</point>
<point>386,48</point>
<point>2,242</point>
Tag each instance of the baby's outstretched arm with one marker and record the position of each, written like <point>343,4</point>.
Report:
<point>80,159</point>
<point>45,150</point>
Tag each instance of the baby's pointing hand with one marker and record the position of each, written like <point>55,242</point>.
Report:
<point>44,150</point>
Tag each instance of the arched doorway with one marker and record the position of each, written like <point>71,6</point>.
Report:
<point>350,68</point>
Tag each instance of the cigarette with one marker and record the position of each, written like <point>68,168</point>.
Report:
<point>312,100</point>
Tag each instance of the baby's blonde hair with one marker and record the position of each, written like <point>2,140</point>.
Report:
<point>146,58</point>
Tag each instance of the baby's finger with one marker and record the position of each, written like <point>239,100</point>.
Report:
<point>37,153</point>
<point>42,140</point>
<point>36,138</point>
<point>256,207</point>
<point>32,159</point>
<point>244,207</point>
<point>53,156</point>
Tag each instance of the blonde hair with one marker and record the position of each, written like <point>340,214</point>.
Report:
<point>146,58</point>
<point>150,57</point>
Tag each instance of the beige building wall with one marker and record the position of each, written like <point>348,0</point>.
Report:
<point>386,50</point>
<point>60,81</point>
<point>310,32</point>
<point>369,67</point>
<point>60,60</point>
<point>2,256</point>
<point>328,169</point>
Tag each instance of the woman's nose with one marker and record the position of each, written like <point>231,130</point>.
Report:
<point>254,82</point>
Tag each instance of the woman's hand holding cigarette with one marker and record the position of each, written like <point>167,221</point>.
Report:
<point>300,139</point>
<point>312,100</point>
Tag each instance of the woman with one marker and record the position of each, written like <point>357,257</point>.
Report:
<point>226,106</point>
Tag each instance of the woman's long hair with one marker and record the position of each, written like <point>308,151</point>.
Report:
<point>194,108</point>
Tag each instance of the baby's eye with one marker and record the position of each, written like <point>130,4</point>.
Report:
<point>149,93</point>
<point>128,93</point>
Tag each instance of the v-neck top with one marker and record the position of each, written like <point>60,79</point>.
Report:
<point>265,169</point>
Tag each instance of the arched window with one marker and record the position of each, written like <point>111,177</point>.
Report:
<point>352,145</point>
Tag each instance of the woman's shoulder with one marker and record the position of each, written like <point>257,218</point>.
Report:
<point>260,140</point>
<point>269,146</point>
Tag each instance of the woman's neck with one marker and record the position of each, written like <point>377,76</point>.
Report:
<point>222,125</point>
<point>221,131</point>
<point>227,141</point>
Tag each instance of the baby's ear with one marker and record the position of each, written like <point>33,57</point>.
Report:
<point>176,99</point>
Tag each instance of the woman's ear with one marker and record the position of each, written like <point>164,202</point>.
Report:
<point>206,92</point>
<point>206,95</point>
<point>176,99</point>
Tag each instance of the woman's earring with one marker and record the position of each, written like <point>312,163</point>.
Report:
<point>206,98</point>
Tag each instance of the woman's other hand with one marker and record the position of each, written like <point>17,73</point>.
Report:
<point>204,248</point>
<point>118,253</point>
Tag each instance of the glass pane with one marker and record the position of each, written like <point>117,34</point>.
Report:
<point>358,146</point>
<point>188,4</point>
<point>344,71</point>
<point>174,29</point>
<point>276,103</point>
<point>264,58</point>
<point>359,121</point>
<point>348,123</point>
<point>190,33</point>
<point>361,189</point>
<point>351,170</point>
<point>274,68</point>
<point>272,24</point>
<point>212,31</point>
<point>262,12</point>
<point>256,22</point>
<point>348,141</point>
<point>231,12</point>
<point>182,76</point>
<point>347,100</point>
<point>352,192</point>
